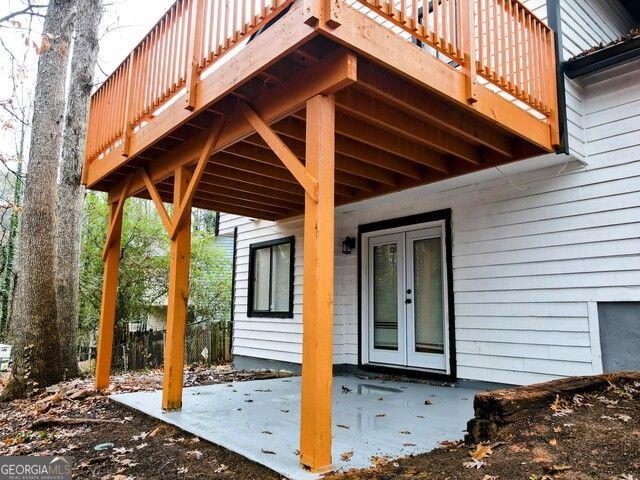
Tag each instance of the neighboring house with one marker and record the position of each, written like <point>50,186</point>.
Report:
<point>516,274</point>
<point>156,319</point>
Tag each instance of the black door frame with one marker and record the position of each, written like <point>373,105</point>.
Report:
<point>404,222</point>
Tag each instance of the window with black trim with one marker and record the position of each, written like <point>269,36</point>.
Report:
<point>271,278</point>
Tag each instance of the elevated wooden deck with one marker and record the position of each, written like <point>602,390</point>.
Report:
<point>273,110</point>
<point>406,114</point>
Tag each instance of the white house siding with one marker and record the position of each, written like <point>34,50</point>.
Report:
<point>532,253</point>
<point>585,24</point>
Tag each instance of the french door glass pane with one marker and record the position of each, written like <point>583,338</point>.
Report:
<point>427,283</point>
<point>281,284</point>
<point>261,267</point>
<point>385,296</point>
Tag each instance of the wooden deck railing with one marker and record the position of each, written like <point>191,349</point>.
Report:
<point>506,44</point>
<point>191,36</point>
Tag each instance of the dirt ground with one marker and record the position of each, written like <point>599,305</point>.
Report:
<point>589,436</point>
<point>119,443</point>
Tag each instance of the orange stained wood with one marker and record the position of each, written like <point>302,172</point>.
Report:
<point>177,300</point>
<point>317,298</point>
<point>109,296</point>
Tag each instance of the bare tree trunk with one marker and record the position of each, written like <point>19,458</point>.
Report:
<point>34,330</point>
<point>70,189</point>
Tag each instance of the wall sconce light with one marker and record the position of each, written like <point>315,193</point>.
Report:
<point>348,244</point>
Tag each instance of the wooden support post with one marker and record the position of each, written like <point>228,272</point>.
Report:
<point>196,25</point>
<point>177,301</point>
<point>317,309</point>
<point>325,11</point>
<point>109,294</point>
<point>467,30</point>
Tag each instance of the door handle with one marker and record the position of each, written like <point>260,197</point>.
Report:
<point>408,300</point>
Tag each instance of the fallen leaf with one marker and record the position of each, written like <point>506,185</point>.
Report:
<point>221,468</point>
<point>267,432</point>
<point>197,454</point>
<point>481,451</point>
<point>408,444</point>
<point>268,452</point>
<point>346,427</point>
<point>183,470</point>
<point>405,432</point>
<point>553,442</point>
<point>428,402</point>
<point>474,464</point>
<point>346,456</point>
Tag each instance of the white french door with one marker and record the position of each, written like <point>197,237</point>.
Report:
<point>405,297</point>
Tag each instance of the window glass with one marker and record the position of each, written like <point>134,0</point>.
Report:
<point>261,273</point>
<point>271,277</point>
<point>385,296</point>
<point>280,285</point>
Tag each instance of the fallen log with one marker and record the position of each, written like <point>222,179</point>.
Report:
<point>495,409</point>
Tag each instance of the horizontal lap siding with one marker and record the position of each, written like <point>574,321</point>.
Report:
<point>585,24</point>
<point>271,338</point>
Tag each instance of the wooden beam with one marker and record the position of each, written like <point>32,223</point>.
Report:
<point>268,171</point>
<point>177,301</point>
<point>396,123</point>
<point>259,191</point>
<point>155,196</point>
<point>184,208</point>
<point>109,296</point>
<point>254,148</point>
<point>343,163</point>
<point>112,232</point>
<point>404,95</point>
<point>378,138</point>
<point>329,75</point>
<point>308,182</point>
<point>360,151</point>
<point>232,200</point>
<point>317,309</point>
<point>252,178</point>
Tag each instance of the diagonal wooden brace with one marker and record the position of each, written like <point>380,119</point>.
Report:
<point>180,210</point>
<point>157,200</point>
<point>295,166</point>
<point>121,200</point>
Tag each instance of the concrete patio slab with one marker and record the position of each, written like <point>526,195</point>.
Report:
<point>371,418</point>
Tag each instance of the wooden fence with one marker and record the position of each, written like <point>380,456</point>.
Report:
<point>207,343</point>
